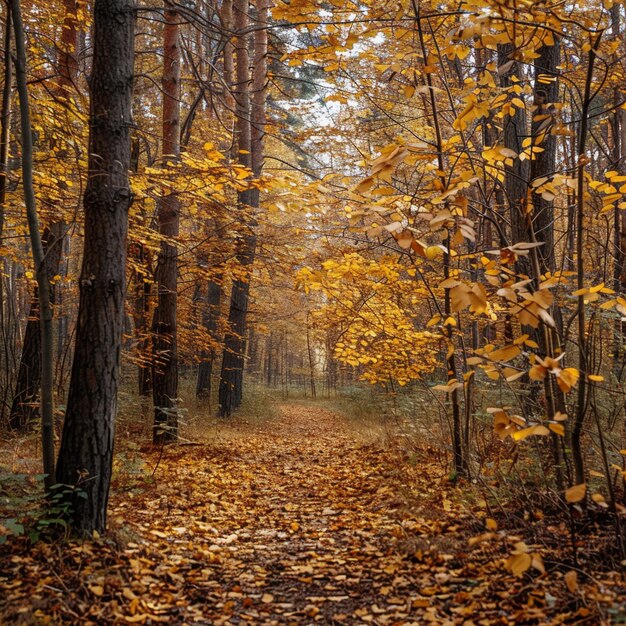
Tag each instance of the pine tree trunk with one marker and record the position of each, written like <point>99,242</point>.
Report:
<point>86,452</point>
<point>250,106</point>
<point>544,163</point>
<point>231,376</point>
<point>516,175</point>
<point>211,319</point>
<point>165,383</point>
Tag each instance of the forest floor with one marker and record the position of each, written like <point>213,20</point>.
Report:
<point>301,518</point>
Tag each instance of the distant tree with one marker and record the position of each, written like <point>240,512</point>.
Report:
<point>250,96</point>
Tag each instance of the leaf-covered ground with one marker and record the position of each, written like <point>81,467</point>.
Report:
<point>294,520</point>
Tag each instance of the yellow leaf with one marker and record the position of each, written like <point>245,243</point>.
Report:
<point>567,378</point>
<point>519,563</point>
<point>598,498</point>
<point>576,493</point>
<point>538,429</point>
<point>365,185</point>
<point>433,320</point>
<point>433,252</point>
<point>537,563</point>
<point>505,354</point>
<point>559,429</point>
<point>97,590</point>
<point>537,372</point>
<point>596,378</point>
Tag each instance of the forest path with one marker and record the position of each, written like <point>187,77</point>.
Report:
<point>295,519</point>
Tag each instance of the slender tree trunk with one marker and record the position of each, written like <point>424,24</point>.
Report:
<point>581,401</point>
<point>542,227</point>
<point>5,121</point>
<point>67,59</point>
<point>165,384</point>
<point>230,103</point>
<point>143,290</point>
<point>86,453</point>
<point>24,406</point>
<point>311,360</point>
<point>5,135</point>
<point>618,127</point>
<point>43,284</point>
<point>459,454</point>
<point>211,321</point>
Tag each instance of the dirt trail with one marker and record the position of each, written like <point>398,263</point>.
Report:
<point>303,532</point>
<point>293,520</point>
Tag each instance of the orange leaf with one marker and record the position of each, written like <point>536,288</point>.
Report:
<point>576,493</point>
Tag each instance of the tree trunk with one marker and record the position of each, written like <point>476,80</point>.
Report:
<point>5,120</point>
<point>581,400</point>
<point>24,406</point>
<point>516,175</point>
<point>211,319</point>
<point>543,166</point>
<point>86,452</point>
<point>544,163</point>
<point>231,376</point>
<point>39,259</point>
<point>5,132</point>
<point>165,383</point>
<point>311,359</point>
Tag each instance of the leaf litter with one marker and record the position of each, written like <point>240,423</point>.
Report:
<point>297,520</point>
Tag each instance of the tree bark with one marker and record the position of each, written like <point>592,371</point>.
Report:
<point>43,284</point>
<point>24,407</point>
<point>516,175</point>
<point>578,456</point>
<point>211,319</point>
<point>544,163</point>
<point>5,133</point>
<point>231,376</point>
<point>165,382</point>
<point>5,119</point>
<point>86,452</point>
